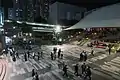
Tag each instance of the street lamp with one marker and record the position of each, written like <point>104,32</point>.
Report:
<point>24,39</point>
<point>58,29</point>
<point>14,27</point>
<point>30,34</point>
<point>14,36</point>
<point>26,34</point>
<point>60,39</point>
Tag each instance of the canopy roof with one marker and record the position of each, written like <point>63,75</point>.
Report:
<point>108,16</point>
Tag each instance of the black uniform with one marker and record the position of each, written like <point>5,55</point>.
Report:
<point>88,73</point>
<point>81,56</point>
<point>76,69</point>
<point>28,53</point>
<point>33,73</point>
<point>59,53</point>
<point>92,52</point>
<point>51,56</point>
<point>38,55</point>
<point>65,70</point>
<point>25,57</point>
<point>83,68</point>
<point>36,76</point>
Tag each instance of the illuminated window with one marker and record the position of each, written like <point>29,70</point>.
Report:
<point>16,14</point>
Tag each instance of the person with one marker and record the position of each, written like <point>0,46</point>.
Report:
<point>83,67</point>
<point>59,53</point>
<point>88,73</point>
<point>55,50</point>
<point>28,53</point>
<point>81,56</point>
<point>33,72</point>
<point>54,56</point>
<point>51,56</point>
<point>85,56</point>
<point>36,76</point>
<point>17,55</point>
<point>33,55</point>
<point>76,69</point>
<point>14,58</point>
<point>25,57</point>
<point>41,54</point>
<point>61,56</point>
<point>109,51</point>
<point>92,52</point>
<point>38,55</point>
<point>65,70</point>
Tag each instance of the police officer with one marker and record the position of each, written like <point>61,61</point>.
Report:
<point>28,53</point>
<point>33,72</point>
<point>83,67</point>
<point>36,76</point>
<point>76,69</point>
<point>51,56</point>
<point>85,56</point>
<point>17,55</point>
<point>38,55</point>
<point>88,73</point>
<point>81,56</point>
<point>65,69</point>
<point>92,52</point>
<point>41,54</point>
<point>59,53</point>
<point>25,55</point>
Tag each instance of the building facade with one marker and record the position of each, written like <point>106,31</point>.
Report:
<point>59,11</point>
<point>44,8</point>
<point>29,10</point>
<point>11,13</point>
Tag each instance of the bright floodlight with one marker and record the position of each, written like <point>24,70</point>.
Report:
<point>14,27</point>
<point>30,34</point>
<point>60,39</point>
<point>26,34</point>
<point>58,29</point>
<point>24,39</point>
<point>14,36</point>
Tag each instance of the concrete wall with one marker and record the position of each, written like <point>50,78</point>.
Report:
<point>59,11</point>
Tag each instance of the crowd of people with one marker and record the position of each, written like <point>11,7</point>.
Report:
<point>86,70</point>
<point>56,53</point>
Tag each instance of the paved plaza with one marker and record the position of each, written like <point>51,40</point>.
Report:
<point>103,65</point>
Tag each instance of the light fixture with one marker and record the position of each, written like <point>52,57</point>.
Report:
<point>26,34</point>
<point>30,34</point>
<point>24,39</point>
<point>14,36</point>
<point>14,27</point>
<point>58,29</point>
<point>60,39</point>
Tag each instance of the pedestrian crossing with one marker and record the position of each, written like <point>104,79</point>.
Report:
<point>52,75</point>
<point>21,67</point>
<point>109,69</point>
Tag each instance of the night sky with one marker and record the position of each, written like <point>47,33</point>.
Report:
<point>89,4</point>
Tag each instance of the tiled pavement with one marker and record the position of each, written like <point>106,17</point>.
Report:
<point>104,66</point>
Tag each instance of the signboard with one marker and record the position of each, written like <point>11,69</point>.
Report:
<point>1,17</point>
